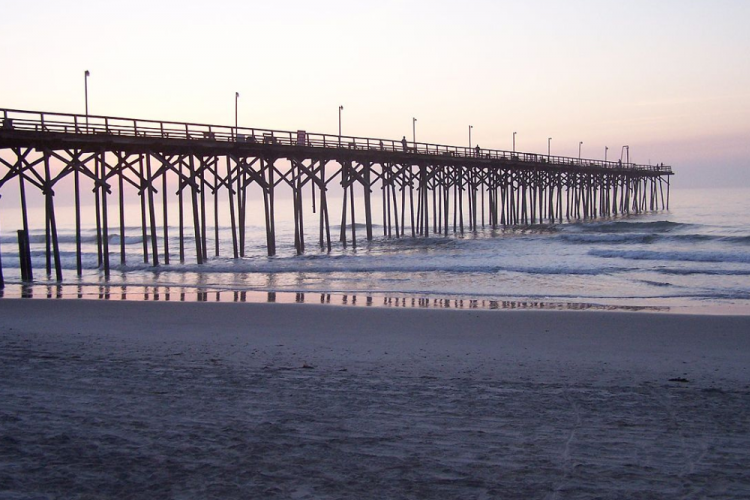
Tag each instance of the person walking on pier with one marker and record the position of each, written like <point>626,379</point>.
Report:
<point>478,151</point>
<point>403,143</point>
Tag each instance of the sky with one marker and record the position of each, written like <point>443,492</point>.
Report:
<point>669,78</point>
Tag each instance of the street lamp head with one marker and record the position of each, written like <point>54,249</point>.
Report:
<point>341,108</point>
<point>236,95</point>
<point>87,73</point>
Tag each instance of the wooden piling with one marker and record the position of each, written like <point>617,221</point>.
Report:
<point>165,214</point>
<point>242,203</point>
<point>181,210</point>
<point>367,185</point>
<point>344,185</point>
<point>271,211</point>
<point>97,210</point>
<point>230,195</point>
<point>121,193</point>
<point>142,189</point>
<point>77,201</point>
<point>194,188</point>
<point>24,256</point>
<point>104,221</point>
<point>200,181</point>
<point>151,211</point>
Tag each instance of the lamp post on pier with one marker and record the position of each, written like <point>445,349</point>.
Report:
<point>470,127</point>
<point>86,75</point>
<point>605,153</point>
<point>514,141</point>
<point>236,104</point>
<point>414,133</point>
<point>626,150</point>
<point>341,108</point>
<point>579,149</point>
<point>549,146</point>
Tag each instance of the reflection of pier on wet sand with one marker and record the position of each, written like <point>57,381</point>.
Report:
<point>161,293</point>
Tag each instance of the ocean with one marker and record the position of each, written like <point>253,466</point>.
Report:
<point>693,258</point>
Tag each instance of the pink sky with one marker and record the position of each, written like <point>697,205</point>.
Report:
<point>671,79</point>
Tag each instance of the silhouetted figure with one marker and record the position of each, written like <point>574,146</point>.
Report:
<point>381,145</point>
<point>478,151</point>
<point>403,143</point>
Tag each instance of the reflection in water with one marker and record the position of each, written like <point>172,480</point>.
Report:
<point>157,293</point>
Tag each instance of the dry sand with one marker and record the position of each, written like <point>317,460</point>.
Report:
<point>195,400</point>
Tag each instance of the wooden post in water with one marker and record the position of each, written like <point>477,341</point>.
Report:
<point>165,171</point>
<point>300,208</point>
<point>296,185</point>
<point>77,196</point>
<point>242,202</point>
<point>482,187</point>
<point>324,221</point>
<point>52,223</point>
<point>47,229</point>
<point>423,200</point>
<point>196,216</point>
<point>446,205</point>
<point>200,176</point>
<point>181,209</point>
<point>385,196</point>
<point>460,200</point>
<point>24,256</point>
<point>230,195</point>
<point>105,224</point>
<point>354,224</point>
<point>97,209</point>
<point>121,165</point>
<point>216,207</point>
<point>395,208</point>
<point>143,188</point>
<point>269,205</point>
<point>367,188</point>
<point>151,211</point>
<point>344,185</point>
<point>321,222</point>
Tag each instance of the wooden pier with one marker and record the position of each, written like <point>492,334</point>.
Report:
<point>425,189</point>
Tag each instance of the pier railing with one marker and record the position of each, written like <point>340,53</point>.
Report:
<point>95,125</point>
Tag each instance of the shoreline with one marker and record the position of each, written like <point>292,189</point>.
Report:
<point>191,294</point>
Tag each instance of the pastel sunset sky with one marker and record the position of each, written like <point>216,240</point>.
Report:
<point>669,78</point>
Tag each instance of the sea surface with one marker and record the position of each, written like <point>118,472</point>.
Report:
<point>693,257</point>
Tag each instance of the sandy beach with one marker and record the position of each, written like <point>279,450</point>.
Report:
<point>199,400</point>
